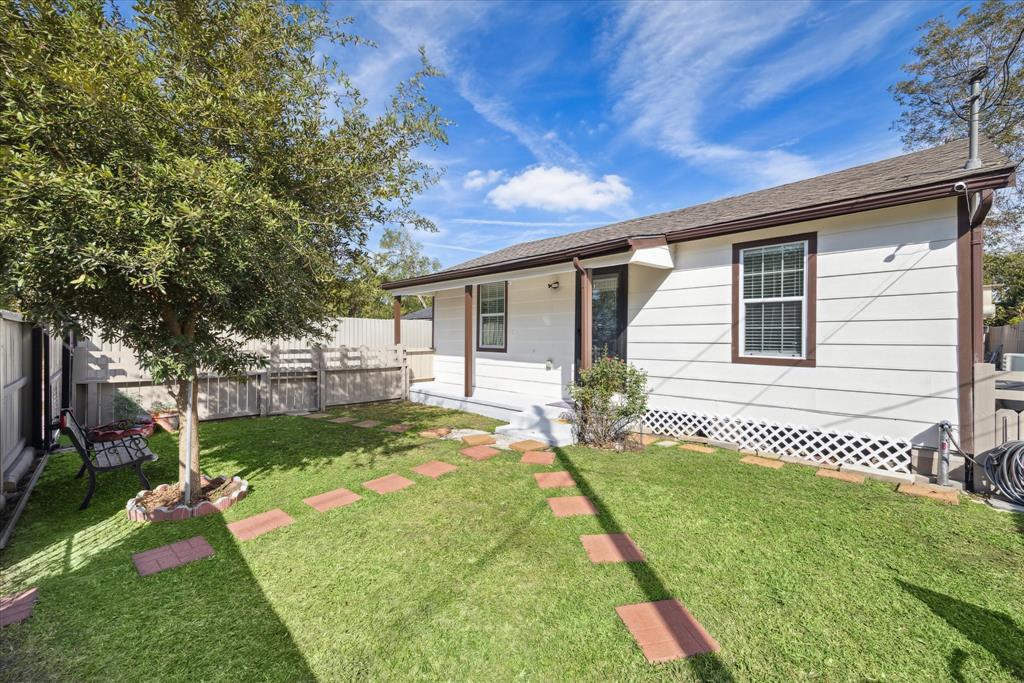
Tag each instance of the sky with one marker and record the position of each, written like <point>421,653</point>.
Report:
<point>568,116</point>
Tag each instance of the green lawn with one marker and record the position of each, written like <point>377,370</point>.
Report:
<point>470,577</point>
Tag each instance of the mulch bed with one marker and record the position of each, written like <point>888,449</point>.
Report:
<point>212,489</point>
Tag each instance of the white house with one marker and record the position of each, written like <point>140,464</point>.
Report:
<point>836,318</point>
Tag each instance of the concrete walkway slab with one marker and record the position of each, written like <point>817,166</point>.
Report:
<point>554,480</point>
<point>434,469</point>
<point>171,555</point>
<point>665,630</point>
<point>606,548</point>
<point>571,506</point>
<point>332,499</point>
<point>257,525</point>
<point>389,483</point>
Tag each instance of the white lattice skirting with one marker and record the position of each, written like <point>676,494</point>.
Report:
<point>834,448</point>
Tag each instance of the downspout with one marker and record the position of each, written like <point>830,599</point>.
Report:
<point>586,315</point>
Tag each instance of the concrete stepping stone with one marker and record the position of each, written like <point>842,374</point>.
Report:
<point>554,480</point>
<point>317,416</point>
<point>434,469</point>
<point>366,424</point>
<point>389,483</point>
<point>851,477</point>
<point>398,428</point>
<point>18,607</point>
<point>257,525</point>
<point>344,419</point>
<point>943,495</point>
<point>479,453</point>
<point>528,445</point>
<point>697,448</point>
<point>171,555</point>
<point>761,462</point>
<point>436,433</point>
<point>665,630</point>
<point>607,548</point>
<point>538,458</point>
<point>478,440</point>
<point>571,506</point>
<point>332,499</point>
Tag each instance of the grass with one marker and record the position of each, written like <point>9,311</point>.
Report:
<point>470,577</point>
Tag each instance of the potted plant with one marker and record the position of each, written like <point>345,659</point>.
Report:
<point>165,415</point>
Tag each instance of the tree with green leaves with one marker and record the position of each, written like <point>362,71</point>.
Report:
<point>935,96</point>
<point>193,176</point>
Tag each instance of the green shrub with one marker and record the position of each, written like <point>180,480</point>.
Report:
<point>609,399</point>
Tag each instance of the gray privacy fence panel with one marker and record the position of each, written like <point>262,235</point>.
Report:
<point>15,392</point>
<point>1005,339</point>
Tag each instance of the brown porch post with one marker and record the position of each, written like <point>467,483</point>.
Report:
<point>586,316</point>
<point>467,354</point>
<point>398,320</point>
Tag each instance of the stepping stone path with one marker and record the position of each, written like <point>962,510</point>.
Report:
<point>332,499</point>
<point>666,630</point>
<point>526,446</point>
<point>398,428</point>
<point>571,506</point>
<point>607,548</point>
<point>16,608</point>
<point>436,433</point>
<point>345,419</point>
<point>697,448</point>
<point>851,477</point>
<point>257,525</point>
<point>538,458</point>
<point>317,416</point>
<point>389,483</point>
<point>434,469</point>
<point>172,555</point>
<point>366,424</point>
<point>479,452</point>
<point>478,440</point>
<point>947,496</point>
<point>762,462</point>
<point>554,480</point>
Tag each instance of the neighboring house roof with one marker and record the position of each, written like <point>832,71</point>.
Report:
<point>918,176</point>
<point>422,314</point>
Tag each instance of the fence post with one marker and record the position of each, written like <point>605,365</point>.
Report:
<point>984,419</point>
<point>403,361</point>
<point>321,377</point>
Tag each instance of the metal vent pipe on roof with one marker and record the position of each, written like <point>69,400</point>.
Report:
<point>974,159</point>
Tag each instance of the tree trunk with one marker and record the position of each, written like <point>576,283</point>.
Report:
<point>188,426</point>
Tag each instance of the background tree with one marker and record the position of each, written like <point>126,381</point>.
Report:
<point>1006,269</point>
<point>934,98</point>
<point>193,176</point>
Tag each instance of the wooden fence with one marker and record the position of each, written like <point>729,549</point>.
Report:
<point>358,363</point>
<point>1005,339</point>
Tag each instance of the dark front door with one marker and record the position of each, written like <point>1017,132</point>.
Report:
<point>608,306</point>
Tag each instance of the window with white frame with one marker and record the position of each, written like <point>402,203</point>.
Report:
<point>773,312</point>
<point>492,316</point>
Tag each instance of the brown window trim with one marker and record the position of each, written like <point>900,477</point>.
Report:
<point>811,279</point>
<point>491,349</point>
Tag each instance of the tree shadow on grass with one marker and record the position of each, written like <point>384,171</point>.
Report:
<point>707,667</point>
<point>96,618</point>
<point>994,631</point>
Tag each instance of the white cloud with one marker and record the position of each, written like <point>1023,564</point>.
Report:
<point>554,188</point>
<point>477,179</point>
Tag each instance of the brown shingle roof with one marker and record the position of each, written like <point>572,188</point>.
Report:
<point>896,178</point>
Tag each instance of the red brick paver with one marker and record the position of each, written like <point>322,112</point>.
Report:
<point>851,477</point>
<point>434,469</point>
<point>398,428</point>
<point>332,499</point>
<point>16,608</point>
<point>571,506</point>
<point>554,480</point>
<point>527,446</point>
<point>478,440</point>
<point>436,433</point>
<point>604,548</point>
<point>538,458</point>
<point>762,462</point>
<point>257,525</point>
<point>172,555</point>
<point>366,424</point>
<point>666,630</point>
<point>389,483</point>
<point>479,452</point>
<point>344,419</point>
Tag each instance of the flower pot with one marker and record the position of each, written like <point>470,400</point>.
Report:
<point>167,420</point>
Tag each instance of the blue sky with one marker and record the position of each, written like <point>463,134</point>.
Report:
<point>573,115</point>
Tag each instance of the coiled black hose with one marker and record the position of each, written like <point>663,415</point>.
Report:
<point>1004,467</point>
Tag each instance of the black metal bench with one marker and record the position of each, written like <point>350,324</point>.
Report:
<point>106,456</point>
